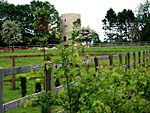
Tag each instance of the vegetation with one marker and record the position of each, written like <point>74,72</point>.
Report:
<point>143,18</point>
<point>118,27</point>
<point>126,26</point>
<point>105,90</point>
<point>84,35</point>
<point>11,33</point>
<point>25,14</point>
<point>10,94</point>
<point>6,62</point>
<point>108,89</point>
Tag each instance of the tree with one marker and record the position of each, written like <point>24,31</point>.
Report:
<point>125,23</point>
<point>49,12</point>
<point>109,24</point>
<point>143,16</point>
<point>25,15</point>
<point>75,32</point>
<point>11,33</point>
<point>119,27</point>
<point>86,34</point>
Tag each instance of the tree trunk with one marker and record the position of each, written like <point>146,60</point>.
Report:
<point>12,48</point>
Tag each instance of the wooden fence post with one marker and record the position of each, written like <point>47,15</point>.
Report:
<point>144,57</point>
<point>23,86</point>
<point>86,64</point>
<point>1,92</point>
<point>96,60</point>
<point>13,76</point>
<point>139,59</point>
<point>128,60</point>
<point>134,59</point>
<point>48,86</point>
<point>148,55</point>
<point>120,59</point>
<point>48,80</point>
<point>110,60</point>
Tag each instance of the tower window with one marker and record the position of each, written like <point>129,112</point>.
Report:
<point>65,38</point>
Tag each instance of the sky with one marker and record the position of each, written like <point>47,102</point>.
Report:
<point>92,11</point>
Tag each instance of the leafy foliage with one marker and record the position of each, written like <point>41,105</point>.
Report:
<point>25,15</point>
<point>85,34</point>
<point>143,17</point>
<point>119,27</point>
<point>126,26</point>
<point>106,90</point>
<point>11,32</point>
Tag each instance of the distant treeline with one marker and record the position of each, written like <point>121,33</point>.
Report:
<point>127,26</point>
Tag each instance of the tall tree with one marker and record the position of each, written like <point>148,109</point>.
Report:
<point>49,10</point>
<point>41,26</point>
<point>86,34</point>
<point>118,27</point>
<point>125,21</point>
<point>109,24</point>
<point>25,15</point>
<point>11,33</point>
<point>143,16</point>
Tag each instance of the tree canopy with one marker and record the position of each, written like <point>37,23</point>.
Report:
<point>11,33</point>
<point>85,34</point>
<point>25,14</point>
<point>143,18</point>
<point>118,26</point>
<point>126,26</point>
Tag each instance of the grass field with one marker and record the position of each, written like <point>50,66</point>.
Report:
<point>116,49</point>
<point>28,109</point>
<point>100,50</point>
<point>10,95</point>
<point>7,62</point>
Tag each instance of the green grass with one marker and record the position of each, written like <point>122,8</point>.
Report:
<point>10,94</point>
<point>21,52</point>
<point>7,62</point>
<point>27,52</point>
<point>116,49</point>
<point>28,109</point>
<point>101,50</point>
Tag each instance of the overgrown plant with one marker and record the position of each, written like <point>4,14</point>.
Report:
<point>105,90</point>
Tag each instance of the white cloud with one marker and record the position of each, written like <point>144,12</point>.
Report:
<point>92,11</point>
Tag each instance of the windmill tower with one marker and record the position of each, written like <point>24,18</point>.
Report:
<point>66,24</point>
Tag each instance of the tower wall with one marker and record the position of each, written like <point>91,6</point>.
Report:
<point>66,24</point>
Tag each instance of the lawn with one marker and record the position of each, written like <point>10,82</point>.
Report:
<point>10,94</point>
<point>101,50</point>
<point>116,49</point>
<point>7,62</point>
<point>28,109</point>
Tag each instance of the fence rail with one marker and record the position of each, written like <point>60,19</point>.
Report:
<point>138,58</point>
<point>106,44</point>
<point>102,44</point>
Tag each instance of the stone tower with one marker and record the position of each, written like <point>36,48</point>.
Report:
<point>66,24</point>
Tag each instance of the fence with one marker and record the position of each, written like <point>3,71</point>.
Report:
<point>102,44</point>
<point>107,44</point>
<point>24,47</point>
<point>13,62</point>
<point>138,58</point>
